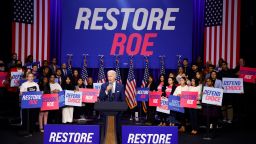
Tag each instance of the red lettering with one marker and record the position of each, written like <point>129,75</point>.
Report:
<point>137,45</point>
<point>119,44</point>
<point>213,98</point>
<point>147,43</point>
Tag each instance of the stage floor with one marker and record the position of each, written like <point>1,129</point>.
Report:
<point>238,133</point>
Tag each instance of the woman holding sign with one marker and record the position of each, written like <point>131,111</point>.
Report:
<point>28,115</point>
<point>193,113</point>
<point>43,115</point>
<point>55,88</point>
<point>67,112</point>
<point>182,87</point>
<point>170,88</point>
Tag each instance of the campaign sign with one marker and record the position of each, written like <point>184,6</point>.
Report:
<point>73,98</point>
<point>142,94</point>
<point>164,106</point>
<point>3,76</point>
<point>248,74</point>
<point>126,27</point>
<point>50,102</point>
<point>15,78</point>
<point>31,99</point>
<point>155,98</point>
<point>174,104</point>
<point>233,85</point>
<point>61,98</point>
<point>89,95</point>
<point>188,99</point>
<point>212,96</point>
<point>149,135</point>
<point>97,86</point>
<point>80,134</point>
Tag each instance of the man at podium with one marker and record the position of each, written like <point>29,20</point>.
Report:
<point>111,90</point>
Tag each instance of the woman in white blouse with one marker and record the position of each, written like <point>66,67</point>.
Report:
<point>182,87</point>
<point>193,113</point>
<point>55,88</point>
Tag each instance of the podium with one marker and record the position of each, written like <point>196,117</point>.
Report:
<point>110,110</point>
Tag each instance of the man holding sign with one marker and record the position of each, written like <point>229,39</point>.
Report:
<point>28,115</point>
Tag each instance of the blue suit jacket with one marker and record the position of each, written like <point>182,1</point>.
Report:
<point>117,96</point>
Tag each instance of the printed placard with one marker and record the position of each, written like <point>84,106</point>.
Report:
<point>89,95</point>
<point>164,106</point>
<point>31,100</point>
<point>212,96</point>
<point>50,102</point>
<point>142,94</point>
<point>174,104</point>
<point>155,98</point>
<point>233,85</point>
<point>73,98</point>
<point>188,99</point>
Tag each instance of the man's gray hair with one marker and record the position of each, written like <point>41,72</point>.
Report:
<point>112,71</point>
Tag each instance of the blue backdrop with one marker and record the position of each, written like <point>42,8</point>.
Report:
<point>95,42</point>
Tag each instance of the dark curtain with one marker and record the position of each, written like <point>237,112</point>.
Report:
<point>198,30</point>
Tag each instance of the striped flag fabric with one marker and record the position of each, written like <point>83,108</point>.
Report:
<point>31,29</point>
<point>101,74</point>
<point>130,89</point>
<point>144,82</point>
<point>222,31</point>
<point>118,75</point>
<point>84,73</point>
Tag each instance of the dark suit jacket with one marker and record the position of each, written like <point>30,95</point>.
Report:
<point>117,96</point>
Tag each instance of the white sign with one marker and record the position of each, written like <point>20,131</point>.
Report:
<point>233,85</point>
<point>97,86</point>
<point>164,108</point>
<point>73,98</point>
<point>212,96</point>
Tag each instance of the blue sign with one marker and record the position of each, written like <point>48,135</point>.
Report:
<point>174,104</point>
<point>142,94</point>
<point>149,134</point>
<point>31,100</point>
<point>89,134</point>
<point>61,98</point>
<point>126,27</point>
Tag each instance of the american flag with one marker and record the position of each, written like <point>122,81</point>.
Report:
<point>84,73</point>
<point>118,75</point>
<point>144,82</point>
<point>31,29</point>
<point>162,71</point>
<point>101,74</point>
<point>130,89</point>
<point>222,31</point>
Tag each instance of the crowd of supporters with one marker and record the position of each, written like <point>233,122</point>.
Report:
<point>54,78</point>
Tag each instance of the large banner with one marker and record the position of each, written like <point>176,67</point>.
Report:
<point>149,135</point>
<point>212,96</point>
<point>126,27</point>
<point>248,74</point>
<point>79,134</point>
<point>233,85</point>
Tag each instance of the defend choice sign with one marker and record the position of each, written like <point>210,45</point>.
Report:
<point>212,96</point>
<point>149,134</point>
<point>89,134</point>
<point>233,85</point>
<point>126,27</point>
